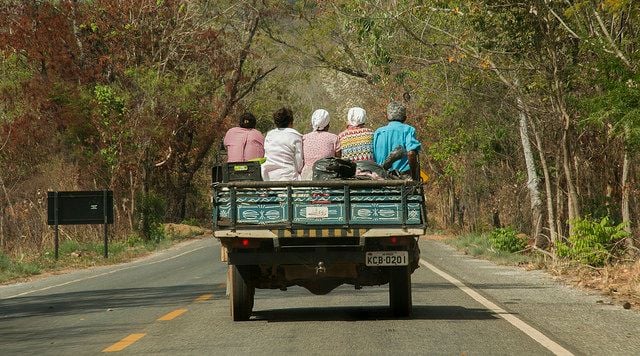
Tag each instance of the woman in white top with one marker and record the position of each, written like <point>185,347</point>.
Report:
<point>282,149</point>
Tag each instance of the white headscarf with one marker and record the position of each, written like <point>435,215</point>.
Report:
<point>319,119</point>
<point>356,116</point>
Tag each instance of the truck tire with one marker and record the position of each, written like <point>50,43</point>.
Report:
<point>241,298</point>
<point>400,291</point>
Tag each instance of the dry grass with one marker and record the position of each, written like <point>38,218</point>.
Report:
<point>620,281</point>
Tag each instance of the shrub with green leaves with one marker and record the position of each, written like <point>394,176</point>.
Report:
<point>150,215</point>
<point>593,242</point>
<point>507,239</point>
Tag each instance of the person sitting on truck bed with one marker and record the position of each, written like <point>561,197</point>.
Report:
<point>320,143</point>
<point>283,149</point>
<point>244,143</point>
<point>356,142</point>
<point>396,133</point>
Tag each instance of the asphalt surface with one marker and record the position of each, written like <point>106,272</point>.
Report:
<point>174,303</point>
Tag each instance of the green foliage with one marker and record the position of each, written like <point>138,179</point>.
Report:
<point>593,242</point>
<point>109,102</point>
<point>191,222</point>
<point>617,106</point>
<point>507,239</point>
<point>10,269</point>
<point>66,247</point>
<point>150,213</point>
<point>479,245</point>
<point>14,72</point>
<point>133,240</point>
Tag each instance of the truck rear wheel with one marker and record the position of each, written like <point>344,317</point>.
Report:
<point>400,291</point>
<point>241,298</point>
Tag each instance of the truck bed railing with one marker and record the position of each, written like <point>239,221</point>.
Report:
<point>298,204</point>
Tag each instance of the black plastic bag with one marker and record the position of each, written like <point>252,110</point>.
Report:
<point>333,168</point>
<point>369,170</point>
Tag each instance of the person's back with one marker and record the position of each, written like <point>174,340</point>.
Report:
<point>283,149</point>
<point>397,133</point>
<point>356,142</point>
<point>319,143</point>
<point>244,142</point>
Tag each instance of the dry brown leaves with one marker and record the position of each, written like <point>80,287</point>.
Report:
<point>621,281</point>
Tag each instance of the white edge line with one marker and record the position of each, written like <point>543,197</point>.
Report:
<point>103,274</point>
<point>512,319</point>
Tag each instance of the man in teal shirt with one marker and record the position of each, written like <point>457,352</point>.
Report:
<point>397,133</point>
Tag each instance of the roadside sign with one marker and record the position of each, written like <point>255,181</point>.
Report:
<point>80,208</point>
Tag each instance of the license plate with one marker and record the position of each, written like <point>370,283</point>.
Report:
<point>317,212</point>
<point>387,258</point>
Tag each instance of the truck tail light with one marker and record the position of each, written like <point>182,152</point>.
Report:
<point>394,241</point>
<point>246,243</point>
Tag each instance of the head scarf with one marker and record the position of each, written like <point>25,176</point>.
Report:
<point>356,116</point>
<point>396,112</point>
<point>319,119</point>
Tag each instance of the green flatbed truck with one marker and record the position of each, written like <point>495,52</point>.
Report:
<point>319,235</point>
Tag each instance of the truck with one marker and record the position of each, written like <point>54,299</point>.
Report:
<point>319,235</point>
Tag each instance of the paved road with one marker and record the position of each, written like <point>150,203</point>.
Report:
<point>174,303</point>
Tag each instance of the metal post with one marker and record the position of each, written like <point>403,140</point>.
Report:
<point>290,211</point>
<point>55,221</point>
<point>233,206</point>
<point>104,214</point>
<point>347,206</point>
<point>404,205</point>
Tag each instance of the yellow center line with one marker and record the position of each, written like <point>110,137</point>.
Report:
<point>122,344</point>
<point>172,315</point>
<point>204,297</point>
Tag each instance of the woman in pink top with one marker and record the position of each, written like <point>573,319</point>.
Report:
<point>244,143</point>
<point>319,143</point>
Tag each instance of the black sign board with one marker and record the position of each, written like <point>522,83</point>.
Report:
<point>79,208</point>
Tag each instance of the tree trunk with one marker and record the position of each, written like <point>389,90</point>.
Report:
<point>553,236</point>
<point>559,200</point>
<point>76,33</point>
<point>572,196</point>
<point>533,179</point>
<point>452,204</point>
<point>132,205</point>
<point>626,216</point>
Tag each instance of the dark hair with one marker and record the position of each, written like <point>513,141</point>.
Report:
<point>247,121</point>
<point>283,117</point>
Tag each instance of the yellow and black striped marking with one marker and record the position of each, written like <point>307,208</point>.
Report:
<point>282,233</point>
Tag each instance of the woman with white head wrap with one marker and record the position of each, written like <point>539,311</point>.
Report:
<point>356,117</point>
<point>319,143</point>
<point>320,120</point>
<point>356,142</point>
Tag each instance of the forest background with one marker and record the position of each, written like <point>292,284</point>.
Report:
<point>529,112</point>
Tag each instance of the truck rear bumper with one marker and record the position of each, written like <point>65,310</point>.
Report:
<point>309,232</point>
<point>295,257</point>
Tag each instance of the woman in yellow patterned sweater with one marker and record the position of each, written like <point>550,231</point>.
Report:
<point>356,142</point>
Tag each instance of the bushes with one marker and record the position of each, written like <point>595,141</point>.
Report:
<point>507,239</point>
<point>150,215</point>
<point>593,242</point>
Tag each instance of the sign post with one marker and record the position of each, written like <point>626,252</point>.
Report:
<point>80,208</point>
<point>104,215</point>
<point>55,204</point>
